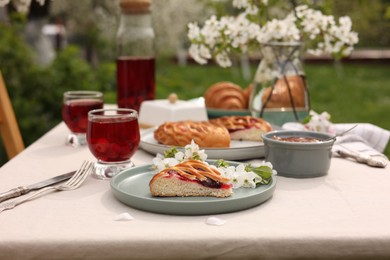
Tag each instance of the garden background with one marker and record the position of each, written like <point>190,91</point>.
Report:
<point>38,67</point>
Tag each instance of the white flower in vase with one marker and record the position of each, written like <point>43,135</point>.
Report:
<point>219,37</point>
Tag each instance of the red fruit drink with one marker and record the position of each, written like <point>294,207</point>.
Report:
<point>113,139</point>
<point>135,81</point>
<point>75,113</point>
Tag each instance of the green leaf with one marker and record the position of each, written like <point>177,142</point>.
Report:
<point>196,156</point>
<point>222,163</point>
<point>264,172</point>
<point>306,119</point>
<point>170,153</point>
<point>265,181</point>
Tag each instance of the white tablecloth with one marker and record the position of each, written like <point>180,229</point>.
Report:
<point>345,214</point>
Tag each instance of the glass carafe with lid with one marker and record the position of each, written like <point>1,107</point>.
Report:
<point>135,54</point>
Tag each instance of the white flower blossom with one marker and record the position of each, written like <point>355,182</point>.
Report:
<point>320,123</point>
<point>195,53</point>
<point>249,6</point>
<point>248,179</point>
<point>193,31</point>
<point>162,163</point>
<point>228,172</point>
<point>223,60</point>
<point>192,150</point>
<point>236,180</point>
<point>179,156</point>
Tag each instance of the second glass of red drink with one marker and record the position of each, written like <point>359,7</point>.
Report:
<point>113,137</point>
<point>75,107</point>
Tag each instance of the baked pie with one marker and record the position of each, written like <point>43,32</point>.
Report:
<point>188,179</point>
<point>182,133</point>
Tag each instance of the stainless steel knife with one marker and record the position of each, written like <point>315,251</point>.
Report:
<point>16,192</point>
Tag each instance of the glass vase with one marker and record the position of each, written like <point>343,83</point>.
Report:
<point>280,93</point>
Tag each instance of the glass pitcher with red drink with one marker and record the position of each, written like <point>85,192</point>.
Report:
<point>135,54</point>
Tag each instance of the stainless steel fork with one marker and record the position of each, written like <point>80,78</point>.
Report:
<point>73,183</point>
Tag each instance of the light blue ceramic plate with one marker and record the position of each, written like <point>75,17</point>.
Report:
<point>132,188</point>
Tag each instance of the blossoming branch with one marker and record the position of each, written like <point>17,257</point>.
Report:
<point>321,33</point>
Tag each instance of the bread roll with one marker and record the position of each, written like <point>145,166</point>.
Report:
<point>280,94</point>
<point>203,133</point>
<point>190,178</point>
<point>225,95</point>
<point>243,127</point>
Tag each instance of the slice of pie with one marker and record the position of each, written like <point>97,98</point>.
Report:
<point>245,128</point>
<point>188,179</point>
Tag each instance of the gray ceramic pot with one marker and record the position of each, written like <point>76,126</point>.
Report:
<point>298,159</point>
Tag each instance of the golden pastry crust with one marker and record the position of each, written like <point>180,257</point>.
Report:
<point>193,169</point>
<point>182,133</point>
<point>225,95</point>
<point>234,123</point>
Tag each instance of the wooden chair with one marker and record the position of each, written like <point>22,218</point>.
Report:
<point>9,129</point>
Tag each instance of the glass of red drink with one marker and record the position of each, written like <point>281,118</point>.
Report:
<point>135,81</point>
<point>75,107</point>
<point>113,136</point>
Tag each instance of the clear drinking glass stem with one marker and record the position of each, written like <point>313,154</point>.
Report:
<point>106,170</point>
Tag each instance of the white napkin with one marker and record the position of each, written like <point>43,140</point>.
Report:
<point>369,134</point>
<point>366,143</point>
